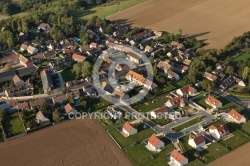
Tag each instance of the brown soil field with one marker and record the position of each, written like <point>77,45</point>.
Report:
<point>240,156</point>
<point>75,142</point>
<point>215,22</point>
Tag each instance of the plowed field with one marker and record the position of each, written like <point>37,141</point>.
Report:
<point>213,21</point>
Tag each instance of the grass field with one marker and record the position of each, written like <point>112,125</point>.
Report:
<point>106,10</point>
<point>237,140</point>
<point>226,104</point>
<point>187,124</point>
<point>215,22</point>
<point>139,155</point>
<point>22,14</point>
<point>214,151</point>
<point>160,121</point>
<point>245,56</point>
<point>12,125</point>
<point>68,75</point>
<point>127,141</point>
<point>201,101</point>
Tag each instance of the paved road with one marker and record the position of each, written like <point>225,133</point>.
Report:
<point>167,129</point>
<point>242,103</point>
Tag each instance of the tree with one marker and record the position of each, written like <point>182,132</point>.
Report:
<point>180,32</point>
<point>161,79</point>
<point>155,70</point>
<point>245,72</point>
<point>208,85</point>
<point>71,100</point>
<point>229,70</point>
<point>2,113</point>
<point>45,108</point>
<point>77,69</point>
<point>7,67</point>
<point>56,117</point>
<point>109,29</point>
<point>86,69</point>
<point>83,103</point>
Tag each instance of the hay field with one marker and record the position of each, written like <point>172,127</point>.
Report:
<point>75,142</point>
<point>213,21</point>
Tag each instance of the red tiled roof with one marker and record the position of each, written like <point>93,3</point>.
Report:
<point>23,105</point>
<point>127,127</point>
<point>187,89</point>
<point>199,139</point>
<point>78,58</point>
<point>235,115</point>
<point>153,140</point>
<point>12,103</point>
<point>222,129</point>
<point>212,127</point>
<point>210,76</point>
<point>68,108</point>
<point>176,100</point>
<point>213,101</point>
<point>177,156</point>
<point>161,110</point>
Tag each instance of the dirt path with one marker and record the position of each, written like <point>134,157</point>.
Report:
<point>213,21</point>
<point>76,142</point>
<point>237,157</point>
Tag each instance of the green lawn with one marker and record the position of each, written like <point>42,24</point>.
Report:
<point>201,101</point>
<point>245,127</point>
<point>187,124</point>
<point>139,155</point>
<point>111,124</point>
<point>68,75</point>
<point>237,140</point>
<point>108,10</point>
<point>45,63</point>
<point>214,151</point>
<point>12,125</point>
<point>147,106</point>
<point>150,105</point>
<point>22,14</point>
<point>127,141</point>
<point>242,57</point>
<point>195,162</point>
<point>226,104</point>
<point>161,121</point>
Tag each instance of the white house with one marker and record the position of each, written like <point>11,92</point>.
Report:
<point>177,159</point>
<point>70,110</point>
<point>155,143</point>
<point>213,102</point>
<point>40,119</point>
<point>158,113</point>
<point>236,117</point>
<point>218,132</point>
<point>242,83</point>
<point>188,90</point>
<point>128,129</point>
<point>197,142</point>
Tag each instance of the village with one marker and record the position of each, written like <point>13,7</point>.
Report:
<point>44,82</point>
